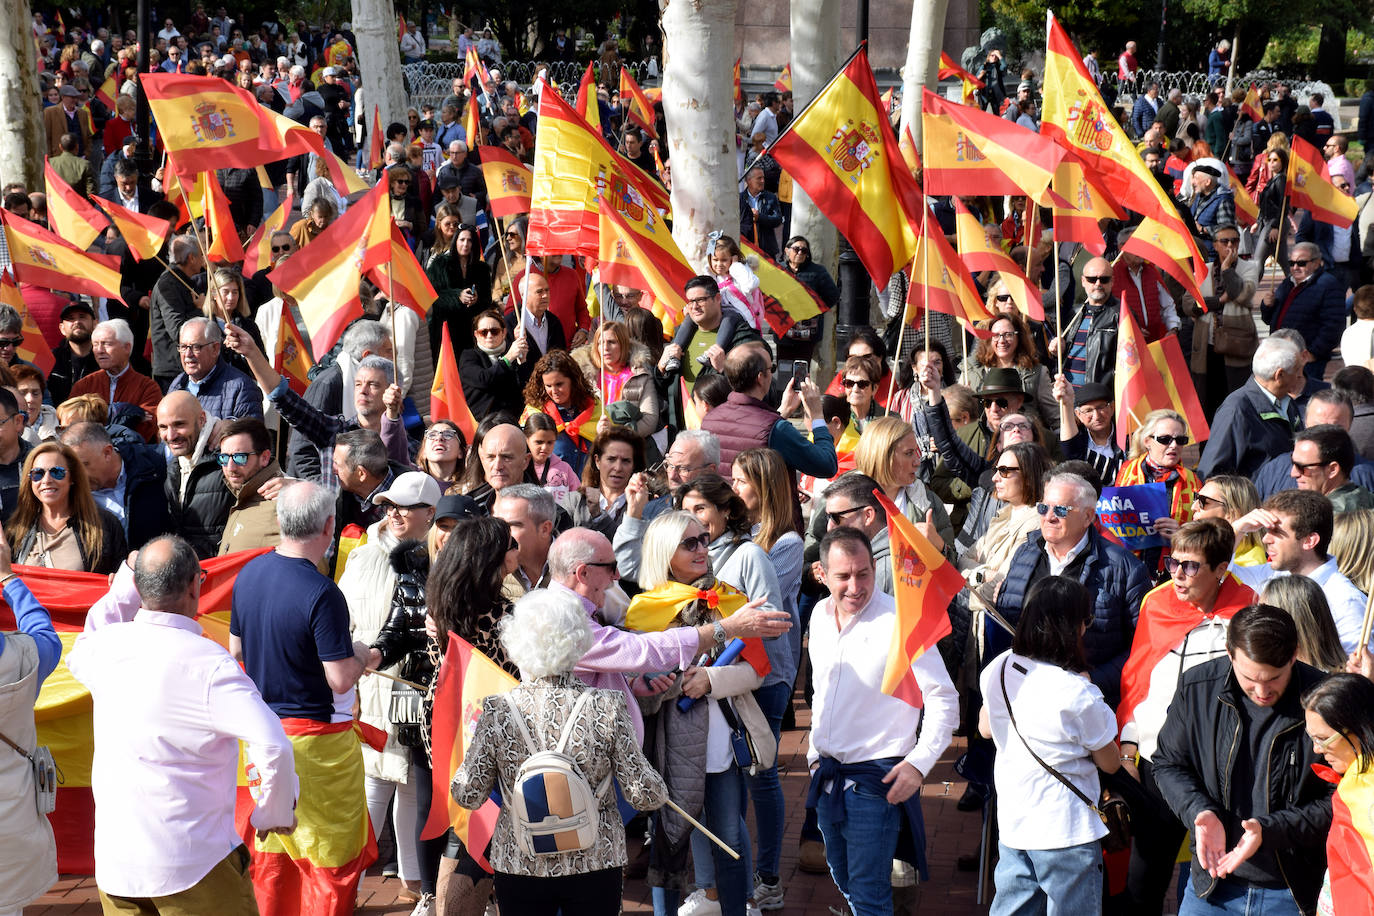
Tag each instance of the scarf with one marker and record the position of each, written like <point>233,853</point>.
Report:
<point>678,604</point>
<point>581,429</point>
<point>1182,482</point>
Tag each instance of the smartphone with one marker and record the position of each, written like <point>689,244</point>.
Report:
<point>799,373</point>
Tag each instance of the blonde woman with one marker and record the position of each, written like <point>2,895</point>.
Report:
<point>1352,544</point>
<point>889,453</point>
<point>1157,457</point>
<point>229,305</point>
<point>1319,645</point>
<point>1228,497</point>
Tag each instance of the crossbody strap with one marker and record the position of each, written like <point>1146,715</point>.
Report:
<point>580,704</point>
<point>1038,759</point>
<point>17,749</point>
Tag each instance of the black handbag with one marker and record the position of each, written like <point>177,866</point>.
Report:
<point>1110,806</point>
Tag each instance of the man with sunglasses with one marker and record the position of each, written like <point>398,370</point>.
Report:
<point>1327,407</point>
<point>1311,301</point>
<point>245,457</point>
<point>1088,340</point>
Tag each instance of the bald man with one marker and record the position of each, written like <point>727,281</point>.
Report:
<point>198,501</point>
<point>505,458</point>
<point>1089,339</point>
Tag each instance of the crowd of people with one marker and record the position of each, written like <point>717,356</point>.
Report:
<point>666,591</point>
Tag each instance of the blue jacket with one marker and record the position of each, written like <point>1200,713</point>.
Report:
<point>1142,116</point>
<point>145,503</point>
<point>1246,432</point>
<point>226,393</point>
<point>1317,313</point>
<point>1118,583</point>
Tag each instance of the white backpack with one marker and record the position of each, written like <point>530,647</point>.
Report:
<point>553,808</point>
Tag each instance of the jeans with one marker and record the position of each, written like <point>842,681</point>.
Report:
<point>764,788</point>
<point>859,843</point>
<point>723,815</point>
<point>1238,898</point>
<point>428,851</point>
<point>1048,881</point>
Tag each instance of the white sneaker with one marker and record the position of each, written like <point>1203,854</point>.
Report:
<point>754,911</point>
<point>767,896</point>
<point>424,907</point>
<point>698,904</point>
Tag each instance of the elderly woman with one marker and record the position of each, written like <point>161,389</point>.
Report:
<point>1157,457</point>
<point>1011,346</point>
<point>622,371</point>
<point>321,212</point>
<point>545,636</point>
<point>860,377</point>
<point>56,522</point>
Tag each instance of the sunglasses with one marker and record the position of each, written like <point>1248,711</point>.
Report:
<point>57,473</point>
<point>1204,501</point>
<point>1000,401</point>
<point>1302,468</point>
<point>857,383</point>
<point>1228,241</point>
<point>1006,471</point>
<point>1190,567</point>
<point>1090,279</point>
<point>837,518</point>
<point>1005,297</point>
<point>1300,263</point>
<point>489,332</point>
<point>1059,511</point>
<point>278,249</point>
<point>693,544</point>
<point>1167,441</point>
<point>6,342</point>
<point>513,545</point>
<point>239,458</point>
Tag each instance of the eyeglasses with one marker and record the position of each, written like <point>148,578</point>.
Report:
<point>1059,511</point>
<point>1324,743</point>
<point>1295,262</point>
<point>57,473</point>
<point>1014,425</point>
<point>1004,297</point>
<point>681,468</point>
<point>1302,468</point>
<point>1006,470</point>
<point>1104,280</point>
<point>837,518</point>
<point>1004,335</point>
<point>1342,186</point>
<point>489,332</point>
<point>441,435</point>
<point>1190,567</point>
<point>1167,441</point>
<point>239,458</point>
<point>700,300</point>
<point>1227,241</point>
<point>693,544</point>
<point>1204,501</point>
<point>192,348</point>
<point>6,342</point>
<point>393,509</point>
<point>860,383</point>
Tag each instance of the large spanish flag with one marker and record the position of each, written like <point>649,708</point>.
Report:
<point>402,278</point>
<point>509,181</point>
<point>145,235</point>
<point>1350,843</point>
<point>573,165</point>
<point>33,348</point>
<point>225,246</point>
<point>1310,189</point>
<point>323,276</point>
<point>290,356</point>
<point>841,149</point>
<point>1165,244</point>
<point>949,70</point>
<point>636,104</point>
<point>258,252</point>
<point>969,151</point>
<point>44,259</point>
<point>1089,204</point>
<point>465,679</point>
<point>636,249</point>
<point>71,215</point>
<point>446,399</point>
<point>786,300</point>
<point>940,281</point>
<point>1152,377</point>
<point>923,583</point>
<point>978,255</point>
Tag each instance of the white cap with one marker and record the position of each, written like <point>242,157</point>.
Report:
<point>413,488</point>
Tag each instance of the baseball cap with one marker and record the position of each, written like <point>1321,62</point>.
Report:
<point>413,488</point>
<point>76,305</point>
<point>457,506</point>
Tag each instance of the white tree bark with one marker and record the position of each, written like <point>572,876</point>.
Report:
<point>379,59</point>
<point>922,60</point>
<point>698,54</point>
<point>22,140</point>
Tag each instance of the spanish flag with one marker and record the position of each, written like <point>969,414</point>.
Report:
<point>225,246</point>
<point>346,181</point>
<point>258,251</point>
<point>940,282</point>
<point>70,214</point>
<point>375,139</point>
<point>189,201</point>
<point>636,104</point>
<point>1350,843</point>
<point>690,418</point>
<point>402,278</point>
<point>291,357</point>
<point>978,255</point>
<point>1088,204</point>
<point>969,151</point>
<point>586,104</point>
<point>786,300</point>
<point>1165,244</point>
<point>108,92</point>
<point>1152,377</point>
<point>32,348</point>
<point>465,679</point>
<point>1252,105</point>
<point>473,67</point>
<point>323,276</point>
<point>636,249</point>
<point>145,235</point>
<point>44,259</point>
<point>446,399</point>
<point>472,122</point>
<point>1310,189</point>
<point>784,81</point>
<point>923,583</point>
<point>1247,211</point>
<point>843,152</point>
<point>739,91</point>
<point>949,70</point>
<point>886,99</point>
<point>509,181</point>
<point>573,166</point>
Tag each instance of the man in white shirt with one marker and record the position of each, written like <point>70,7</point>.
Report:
<point>170,709</point>
<point>867,760</point>
<point>767,121</point>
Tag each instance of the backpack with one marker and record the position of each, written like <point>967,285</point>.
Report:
<point>553,808</point>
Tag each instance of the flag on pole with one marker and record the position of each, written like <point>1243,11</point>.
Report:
<point>586,104</point>
<point>44,259</point>
<point>472,123</point>
<point>784,81</point>
<point>970,84</point>
<point>979,255</point>
<point>635,249</point>
<point>1152,377</point>
<point>1252,106</point>
<point>465,679</point>
<point>786,300</point>
<point>401,27</point>
<point>1165,245</point>
<point>1088,203</point>
<point>923,584</point>
<point>1310,189</point>
<point>32,348</point>
<point>473,67</point>
<point>509,181</point>
<point>108,92</point>
<point>841,149</point>
<point>224,236</point>
<point>70,214</point>
<point>1247,211</point>
<point>446,398</point>
<point>939,281</point>
<point>145,235</point>
<point>636,104</point>
<point>410,285</point>
<point>258,251</point>
<point>969,151</point>
<point>375,139</point>
<point>291,357</point>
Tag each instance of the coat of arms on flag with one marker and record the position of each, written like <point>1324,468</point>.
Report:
<point>211,123</point>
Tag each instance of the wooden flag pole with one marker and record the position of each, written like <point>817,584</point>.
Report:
<point>400,680</point>
<point>668,802</point>
<point>391,304</point>
<point>1367,625</point>
<point>510,280</point>
<point>901,335</point>
<point>1058,307</point>
<point>175,274</point>
<point>1030,234</point>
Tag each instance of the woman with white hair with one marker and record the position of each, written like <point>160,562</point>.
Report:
<point>545,636</point>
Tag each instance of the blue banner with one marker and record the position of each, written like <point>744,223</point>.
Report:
<point>1130,513</point>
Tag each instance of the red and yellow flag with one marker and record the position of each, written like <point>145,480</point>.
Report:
<point>291,357</point>
<point>573,165</point>
<point>145,235</point>
<point>1165,245</point>
<point>940,282</point>
<point>949,70</point>
<point>636,104</point>
<point>690,418</point>
<point>786,300</point>
<point>739,91</point>
<point>473,67</point>
<point>472,122</point>
<point>969,151</point>
<point>465,679</point>
<point>841,149</point>
<point>44,259</point>
<point>1350,844</point>
<point>1152,377</point>
<point>978,255</point>
<point>446,398</point>
<point>636,249</point>
<point>70,214</point>
<point>108,91</point>
<point>190,200</point>
<point>886,98</point>
<point>32,348</point>
<point>1089,204</point>
<point>402,278</point>
<point>258,251</point>
<point>522,103</point>
<point>1252,105</point>
<point>1247,211</point>
<point>784,81</point>
<point>923,584</point>
<point>323,276</point>
<point>225,246</point>
<point>375,139</point>
<point>1310,189</point>
<point>586,104</point>
<point>509,181</point>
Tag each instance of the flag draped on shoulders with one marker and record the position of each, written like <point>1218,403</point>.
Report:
<point>1350,844</point>
<point>655,610</point>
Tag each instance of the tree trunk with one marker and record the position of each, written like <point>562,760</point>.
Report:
<point>379,58</point>
<point>698,54</point>
<point>23,142</point>
<point>1330,64</point>
<point>922,61</point>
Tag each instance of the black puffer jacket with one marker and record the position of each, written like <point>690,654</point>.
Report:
<point>402,638</point>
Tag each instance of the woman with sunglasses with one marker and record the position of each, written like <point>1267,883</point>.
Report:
<point>1011,346</point>
<point>706,740</point>
<point>968,453</point>
<point>493,372</point>
<point>56,522</point>
<point>1157,457</point>
<point>1229,498</point>
<point>865,342</point>
<point>1340,722</point>
<point>510,252</point>
<point>1018,484</point>
<point>860,377</point>
<point>446,222</point>
<point>462,281</point>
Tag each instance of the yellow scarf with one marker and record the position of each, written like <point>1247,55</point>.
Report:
<point>655,610</point>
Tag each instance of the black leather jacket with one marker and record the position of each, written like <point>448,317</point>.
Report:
<point>402,638</point>
<point>1100,360</point>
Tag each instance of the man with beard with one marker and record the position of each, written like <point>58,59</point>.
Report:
<point>72,358</point>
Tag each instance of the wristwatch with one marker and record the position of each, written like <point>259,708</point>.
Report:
<point>718,632</point>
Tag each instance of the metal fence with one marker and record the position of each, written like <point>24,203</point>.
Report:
<point>430,83</point>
